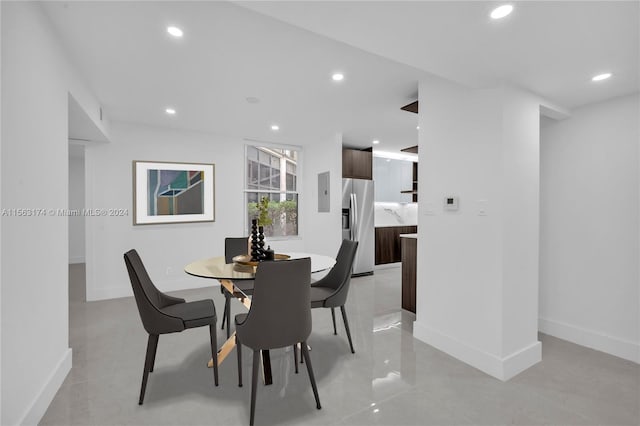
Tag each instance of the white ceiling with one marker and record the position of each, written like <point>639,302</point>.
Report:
<point>227,54</point>
<point>231,52</point>
<point>551,48</point>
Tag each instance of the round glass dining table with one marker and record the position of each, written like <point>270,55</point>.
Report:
<point>217,268</point>
<point>227,273</point>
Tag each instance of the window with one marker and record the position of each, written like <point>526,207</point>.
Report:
<point>273,173</point>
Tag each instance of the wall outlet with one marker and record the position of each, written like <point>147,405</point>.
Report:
<point>169,270</point>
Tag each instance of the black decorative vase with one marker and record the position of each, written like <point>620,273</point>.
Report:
<point>261,243</point>
<point>255,248</point>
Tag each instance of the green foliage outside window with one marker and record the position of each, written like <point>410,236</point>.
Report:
<point>280,217</point>
<point>263,218</point>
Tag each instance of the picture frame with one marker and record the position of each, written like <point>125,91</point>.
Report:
<point>173,192</point>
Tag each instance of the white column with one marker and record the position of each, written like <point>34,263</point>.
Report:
<point>478,266</point>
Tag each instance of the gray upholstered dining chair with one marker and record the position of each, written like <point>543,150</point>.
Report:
<point>331,291</point>
<point>163,314</point>
<point>233,247</point>
<point>280,316</point>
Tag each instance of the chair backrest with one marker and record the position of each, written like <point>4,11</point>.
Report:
<point>339,276</point>
<point>234,247</point>
<point>280,313</point>
<point>148,298</point>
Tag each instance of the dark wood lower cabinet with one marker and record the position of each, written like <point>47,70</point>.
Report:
<point>388,243</point>
<point>409,248</point>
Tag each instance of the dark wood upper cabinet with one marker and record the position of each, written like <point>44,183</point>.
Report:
<point>357,164</point>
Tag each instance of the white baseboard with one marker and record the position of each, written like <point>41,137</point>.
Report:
<point>501,368</point>
<point>39,406</point>
<point>519,361</point>
<point>165,286</point>
<point>591,339</point>
<point>76,259</point>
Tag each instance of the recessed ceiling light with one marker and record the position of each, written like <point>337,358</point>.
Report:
<point>175,31</point>
<point>170,111</point>
<point>501,11</point>
<point>275,127</point>
<point>601,77</point>
<point>388,161</point>
<point>376,142</point>
<point>417,127</point>
<point>338,77</point>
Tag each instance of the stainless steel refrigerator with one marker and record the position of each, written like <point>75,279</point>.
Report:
<point>357,222</point>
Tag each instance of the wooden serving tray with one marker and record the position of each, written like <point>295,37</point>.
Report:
<point>245,259</point>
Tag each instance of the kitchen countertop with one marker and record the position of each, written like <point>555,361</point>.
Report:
<point>399,225</point>
<point>409,236</point>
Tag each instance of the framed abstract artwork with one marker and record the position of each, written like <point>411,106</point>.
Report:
<point>173,192</point>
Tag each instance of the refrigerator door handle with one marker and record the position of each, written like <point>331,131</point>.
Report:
<point>352,217</point>
<point>355,217</point>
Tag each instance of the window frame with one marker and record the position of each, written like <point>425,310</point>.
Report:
<point>298,191</point>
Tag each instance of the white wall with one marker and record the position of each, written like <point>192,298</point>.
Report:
<point>322,232</point>
<point>36,82</point>
<point>1,236</point>
<point>589,229</point>
<point>167,248</point>
<point>520,195</point>
<point>477,274</point>
<point>76,201</point>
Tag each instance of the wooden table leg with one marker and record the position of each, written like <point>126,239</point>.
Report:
<point>230,343</point>
<point>224,351</point>
<point>267,377</point>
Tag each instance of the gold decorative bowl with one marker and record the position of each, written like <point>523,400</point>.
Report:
<point>245,259</point>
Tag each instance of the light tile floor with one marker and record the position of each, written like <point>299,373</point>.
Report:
<point>392,379</point>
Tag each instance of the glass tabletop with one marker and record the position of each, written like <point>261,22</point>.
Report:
<point>217,268</point>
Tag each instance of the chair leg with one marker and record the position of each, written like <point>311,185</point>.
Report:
<point>333,317</point>
<point>227,302</point>
<point>228,312</point>
<point>152,343</point>
<point>153,356</point>
<point>239,352</point>
<point>295,356</point>
<point>214,351</point>
<point>346,326</point>
<point>305,354</point>
<point>254,384</point>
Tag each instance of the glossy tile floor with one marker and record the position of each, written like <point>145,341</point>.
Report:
<point>392,379</point>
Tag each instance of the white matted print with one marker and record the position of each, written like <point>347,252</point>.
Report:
<point>173,192</point>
